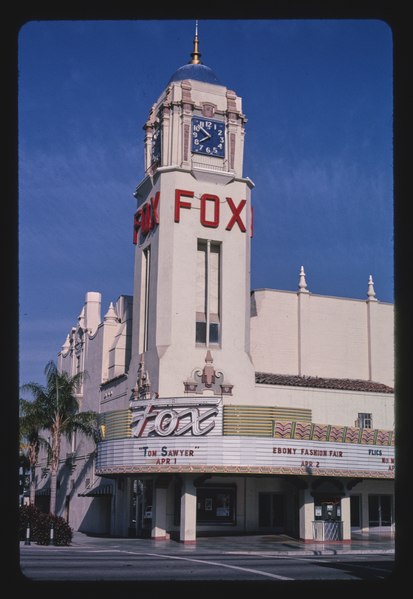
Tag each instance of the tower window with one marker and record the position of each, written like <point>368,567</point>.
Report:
<point>146,261</point>
<point>364,420</point>
<point>208,292</point>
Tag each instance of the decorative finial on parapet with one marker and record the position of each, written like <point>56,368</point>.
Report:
<point>371,294</point>
<point>302,285</point>
<point>66,344</point>
<point>208,373</point>
<point>81,318</point>
<point>110,314</point>
<point>196,54</point>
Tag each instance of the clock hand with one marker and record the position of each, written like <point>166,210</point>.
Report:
<point>207,135</point>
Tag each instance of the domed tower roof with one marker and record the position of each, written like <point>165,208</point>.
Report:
<point>195,69</point>
<point>199,72</point>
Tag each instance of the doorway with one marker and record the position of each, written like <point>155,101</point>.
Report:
<point>380,511</point>
<point>355,511</point>
<point>271,511</point>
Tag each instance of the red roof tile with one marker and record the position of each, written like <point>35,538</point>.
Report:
<point>266,378</point>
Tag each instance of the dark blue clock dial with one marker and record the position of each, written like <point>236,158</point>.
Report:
<point>208,137</point>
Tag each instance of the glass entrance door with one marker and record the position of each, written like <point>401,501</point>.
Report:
<point>380,510</point>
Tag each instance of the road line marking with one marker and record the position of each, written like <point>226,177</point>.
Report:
<point>210,563</point>
<point>290,556</point>
<point>104,550</point>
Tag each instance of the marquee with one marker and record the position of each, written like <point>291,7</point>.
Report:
<point>240,454</point>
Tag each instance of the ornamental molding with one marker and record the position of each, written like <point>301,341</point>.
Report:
<point>142,388</point>
<point>207,379</point>
<point>312,431</point>
<point>172,468</point>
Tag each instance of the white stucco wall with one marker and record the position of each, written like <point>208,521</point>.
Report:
<point>172,352</point>
<point>314,335</point>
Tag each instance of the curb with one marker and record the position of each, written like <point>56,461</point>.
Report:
<point>275,553</point>
<point>313,552</point>
<point>332,552</point>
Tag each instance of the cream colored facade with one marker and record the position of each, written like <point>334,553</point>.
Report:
<point>323,336</point>
<point>222,409</point>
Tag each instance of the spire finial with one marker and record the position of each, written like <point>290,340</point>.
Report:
<point>196,54</point>
<point>81,318</point>
<point>66,344</point>
<point>111,314</point>
<point>302,285</point>
<point>371,294</point>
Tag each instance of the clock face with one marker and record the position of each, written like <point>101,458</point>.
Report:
<point>156,146</point>
<point>208,137</point>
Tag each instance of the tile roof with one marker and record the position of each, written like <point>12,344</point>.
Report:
<point>266,378</point>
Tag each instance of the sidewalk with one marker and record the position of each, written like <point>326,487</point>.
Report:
<point>373,543</point>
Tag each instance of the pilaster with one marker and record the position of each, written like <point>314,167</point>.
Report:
<point>187,107</point>
<point>187,533</point>
<point>160,492</point>
<point>371,322</point>
<point>303,308</point>
<point>346,518</point>
<point>306,514</point>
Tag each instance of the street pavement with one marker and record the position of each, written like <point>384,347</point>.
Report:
<point>240,559</point>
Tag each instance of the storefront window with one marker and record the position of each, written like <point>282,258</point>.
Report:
<point>216,505</point>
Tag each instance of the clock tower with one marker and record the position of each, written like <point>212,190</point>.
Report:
<point>192,231</point>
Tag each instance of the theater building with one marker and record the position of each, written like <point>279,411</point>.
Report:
<point>223,410</point>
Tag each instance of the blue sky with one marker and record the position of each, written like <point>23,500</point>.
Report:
<point>318,98</point>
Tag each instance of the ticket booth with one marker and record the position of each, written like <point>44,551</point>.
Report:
<point>327,524</point>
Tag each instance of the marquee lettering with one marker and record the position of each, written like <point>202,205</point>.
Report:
<point>146,217</point>
<point>176,421</point>
<point>210,209</point>
<point>236,218</point>
<point>204,221</point>
<point>181,204</point>
<point>154,210</point>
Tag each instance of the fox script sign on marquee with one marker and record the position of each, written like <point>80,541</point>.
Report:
<point>176,417</point>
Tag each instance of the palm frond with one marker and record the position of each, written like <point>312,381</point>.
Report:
<point>84,422</point>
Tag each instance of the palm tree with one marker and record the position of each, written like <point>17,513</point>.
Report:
<point>30,439</point>
<point>57,408</point>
